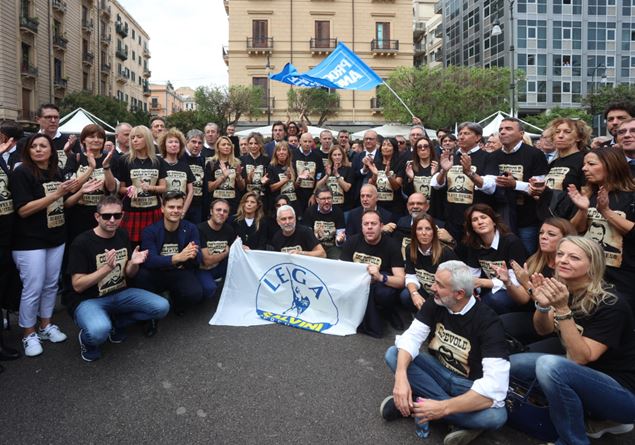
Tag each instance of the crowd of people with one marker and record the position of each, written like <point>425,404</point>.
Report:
<point>472,244</point>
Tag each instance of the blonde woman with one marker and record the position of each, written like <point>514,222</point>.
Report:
<point>224,173</point>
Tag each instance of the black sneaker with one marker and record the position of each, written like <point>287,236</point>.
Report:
<point>117,336</point>
<point>89,353</point>
<point>388,410</point>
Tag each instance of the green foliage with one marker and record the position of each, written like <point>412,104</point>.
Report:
<point>225,106</point>
<point>542,120</point>
<point>106,108</point>
<point>598,100</point>
<point>313,101</point>
<point>188,120</point>
<point>443,96</point>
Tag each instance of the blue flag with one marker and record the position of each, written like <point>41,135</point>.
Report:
<point>342,69</point>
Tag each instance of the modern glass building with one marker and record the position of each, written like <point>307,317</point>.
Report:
<point>566,48</point>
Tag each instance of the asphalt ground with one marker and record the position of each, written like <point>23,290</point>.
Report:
<point>195,383</point>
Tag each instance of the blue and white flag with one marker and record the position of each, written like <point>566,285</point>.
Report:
<point>342,69</point>
<point>315,294</point>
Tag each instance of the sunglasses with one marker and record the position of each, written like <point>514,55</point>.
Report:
<point>108,216</point>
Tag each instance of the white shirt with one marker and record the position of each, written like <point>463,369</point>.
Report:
<point>498,284</point>
<point>489,181</point>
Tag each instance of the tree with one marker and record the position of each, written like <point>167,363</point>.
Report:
<point>542,120</point>
<point>598,100</point>
<point>187,120</point>
<point>444,96</point>
<point>308,101</point>
<point>225,106</point>
<point>108,109</point>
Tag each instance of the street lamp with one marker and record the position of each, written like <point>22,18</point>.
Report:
<point>268,67</point>
<point>603,81</point>
<point>496,31</point>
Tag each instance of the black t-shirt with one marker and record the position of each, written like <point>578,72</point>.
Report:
<point>197,167</point>
<point>388,198</point>
<point>324,225</point>
<point>45,228</point>
<point>341,199</point>
<point>87,254</point>
<point>137,172</point>
<point>278,173</point>
<point>460,342</point>
<point>178,175</point>
<point>302,239</point>
<point>510,247</point>
<point>612,325</point>
<point>424,269</point>
<point>77,169</point>
<point>524,163</point>
<point>250,236</point>
<point>259,167</point>
<point>420,183</point>
<point>385,254</point>
<point>228,189</point>
<point>562,172</point>
<point>312,163</point>
<point>215,241</point>
<point>6,206</point>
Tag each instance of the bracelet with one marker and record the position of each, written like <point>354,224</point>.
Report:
<point>541,309</point>
<point>567,316</point>
<point>384,278</point>
<point>106,168</point>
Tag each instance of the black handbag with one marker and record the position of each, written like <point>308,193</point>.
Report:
<point>528,410</point>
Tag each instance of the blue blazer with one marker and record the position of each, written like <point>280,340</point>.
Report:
<point>153,236</point>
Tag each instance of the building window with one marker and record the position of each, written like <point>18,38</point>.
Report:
<point>610,35</point>
<point>531,60</point>
<point>133,35</point>
<point>322,34</point>
<point>531,87</point>
<point>382,34</point>
<point>566,33</point>
<point>531,32</point>
<point>262,82</point>
<point>566,87</point>
<point>155,102</point>
<point>260,34</point>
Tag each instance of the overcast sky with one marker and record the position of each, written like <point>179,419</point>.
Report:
<point>186,39</point>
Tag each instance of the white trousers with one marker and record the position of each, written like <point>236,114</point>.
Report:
<point>39,271</point>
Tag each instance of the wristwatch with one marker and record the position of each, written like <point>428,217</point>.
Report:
<point>567,316</point>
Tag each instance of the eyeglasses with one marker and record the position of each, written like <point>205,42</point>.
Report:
<point>51,117</point>
<point>326,198</point>
<point>109,216</point>
<point>401,142</point>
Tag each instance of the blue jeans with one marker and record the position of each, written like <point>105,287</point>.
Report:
<point>500,301</point>
<point>430,379</point>
<point>529,236</point>
<point>208,278</point>
<point>98,316</point>
<point>574,391</point>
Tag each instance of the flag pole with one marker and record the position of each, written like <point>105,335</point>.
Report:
<point>399,98</point>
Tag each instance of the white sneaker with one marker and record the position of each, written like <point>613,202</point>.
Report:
<point>52,333</point>
<point>597,428</point>
<point>32,345</point>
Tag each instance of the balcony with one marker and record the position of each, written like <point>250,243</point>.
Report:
<point>60,83</point>
<point>28,71</point>
<point>29,24</point>
<point>418,29</point>
<point>122,77</point>
<point>122,53</point>
<point>384,47</point>
<point>375,105</point>
<point>105,39</point>
<point>59,6</point>
<point>226,55</point>
<point>105,68</point>
<point>121,29</point>
<point>259,45</point>
<point>88,58</point>
<point>438,7</point>
<point>146,89</point>
<point>87,25</point>
<point>146,52</point>
<point>105,8</point>
<point>60,42</point>
<point>27,116</point>
<point>419,48</point>
<point>147,73</point>
<point>322,46</point>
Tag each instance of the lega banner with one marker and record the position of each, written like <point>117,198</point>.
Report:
<point>315,294</point>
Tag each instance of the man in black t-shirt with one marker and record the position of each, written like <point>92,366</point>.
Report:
<point>327,222</point>
<point>464,376</point>
<point>100,261</point>
<point>385,265</point>
<point>216,238</point>
<point>295,239</point>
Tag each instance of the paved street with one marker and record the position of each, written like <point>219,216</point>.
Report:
<point>195,383</point>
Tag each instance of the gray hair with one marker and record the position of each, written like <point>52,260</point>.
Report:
<point>120,125</point>
<point>211,124</point>
<point>460,276</point>
<point>472,126</point>
<point>283,209</point>
<point>194,134</point>
<point>420,127</point>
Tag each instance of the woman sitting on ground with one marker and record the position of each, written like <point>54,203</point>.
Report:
<point>596,377</point>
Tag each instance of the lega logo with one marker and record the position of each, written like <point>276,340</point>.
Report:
<point>295,296</point>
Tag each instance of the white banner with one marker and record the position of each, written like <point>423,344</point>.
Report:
<point>315,294</point>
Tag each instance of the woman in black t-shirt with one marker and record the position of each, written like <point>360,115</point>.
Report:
<point>250,223</point>
<point>179,176</point>
<point>596,377</point>
<point>255,164</point>
<point>142,181</point>
<point>338,176</point>
<point>606,214</point>
<point>418,172</point>
<point>39,235</point>
<point>490,245</point>
<point>224,173</point>
<point>423,256</point>
<point>282,175</point>
<point>384,176</point>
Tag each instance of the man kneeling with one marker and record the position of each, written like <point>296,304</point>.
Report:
<point>100,261</point>
<point>463,377</point>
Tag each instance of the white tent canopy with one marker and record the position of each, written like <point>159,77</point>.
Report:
<point>266,131</point>
<point>75,121</point>
<point>392,130</point>
<point>494,121</point>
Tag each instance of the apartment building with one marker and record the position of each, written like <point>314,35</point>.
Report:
<point>566,48</point>
<point>427,34</point>
<point>266,34</point>
<point>49,48</point>
<point>164,100</point>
